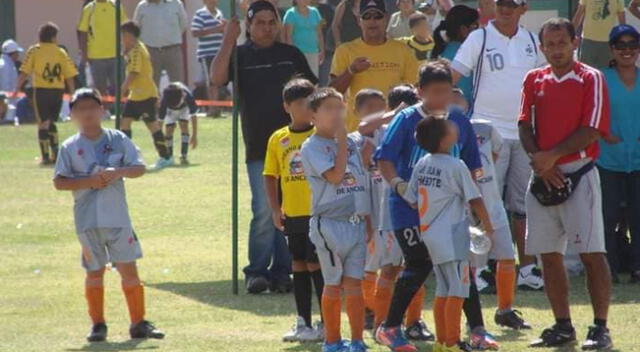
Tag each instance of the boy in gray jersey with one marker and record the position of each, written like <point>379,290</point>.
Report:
<point>440,188</point>
<point>92,164</point>
<point>340,207</point>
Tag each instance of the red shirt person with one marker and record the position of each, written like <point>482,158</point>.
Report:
<point>564,111</point>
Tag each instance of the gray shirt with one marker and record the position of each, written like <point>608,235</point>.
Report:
<point>161,23</point>
<point>81,157</point>
<point>351,196</point>
<point>442,186</point>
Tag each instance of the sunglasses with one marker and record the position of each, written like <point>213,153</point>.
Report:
<point>372,16</point>
<point>631,45</point>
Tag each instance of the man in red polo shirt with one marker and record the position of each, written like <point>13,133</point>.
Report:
<point>565,110</point>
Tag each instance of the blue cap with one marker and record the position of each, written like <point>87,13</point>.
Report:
<point>377,5</point>
<point>622,29</point>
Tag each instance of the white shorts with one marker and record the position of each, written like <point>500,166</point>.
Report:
<point>383,251</point>
<point>452,279</point>
<point>104,245</point>
<point>578,219</point>
<point>173,118</point>
<point>501,249</point>
<point>341,248</point>
<point>513,172</point>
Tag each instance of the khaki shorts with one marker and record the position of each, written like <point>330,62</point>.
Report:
<point>104,245</point>
<point>452,279</point>
<point>513,172</point>
<point>578,219</point>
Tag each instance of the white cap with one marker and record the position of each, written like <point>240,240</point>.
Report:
<point>10,46</point>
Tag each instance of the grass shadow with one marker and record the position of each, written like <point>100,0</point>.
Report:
<point>130,345</point>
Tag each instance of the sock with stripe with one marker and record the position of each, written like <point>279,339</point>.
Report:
<point>43,141</point>
<point>94,293</point>
<point>331,307</point>
<point>134,293</point>
<point>160,143</point>
<point>368,289</point>
<point>354,301</point>
<point>414,311</point>
<point>302,295</point>
<point>184,145</point>
<point>453,313</point>
<point>439,315</point>
<point>168,141</point>
<point>53,140</point>
<point>506,284</point>
<point>384,289</point>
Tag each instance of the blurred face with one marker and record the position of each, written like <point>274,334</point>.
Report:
<point>373,25</point>
<point>371,106</point>
<point>509,13</point>
<point>437,96</point>
<point>451,138</point>
<point>558,47</point>
<point>87,114</point>
<point>264,28</point>
<point>329,116</point>
<point>406,6</point>
<point>128,40</point>
<point>421,30</point>
<point>625,51</point>
<point>465,30</point>
<point>303,2</point>
<point>299,110</point>
<point>15,56</point>
<point>210,3</point>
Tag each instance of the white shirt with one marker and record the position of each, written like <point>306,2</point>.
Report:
<point>8,74</point>
<point>505,62</point>
<point>162,23</point>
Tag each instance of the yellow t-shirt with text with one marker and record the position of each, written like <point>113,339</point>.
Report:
<point>284,161</point>
<point>392,63</point>
<point>138,61</point>
<point>48,65</point>
<point>599,17</point>
<point>98,21</point>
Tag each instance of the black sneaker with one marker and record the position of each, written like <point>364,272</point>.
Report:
<point>257,284</point>
<point>281,286</point>
<point>511,319</point>
<point>418,332</point>
<point>598,338</point>
<point>145,330</point>
<point>555,337</point>
<point>369,319</point>
<point>464,347</point>
<point>489,278</point>
<point>98,333</point>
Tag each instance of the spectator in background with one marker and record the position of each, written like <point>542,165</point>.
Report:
<point>24,108</point>
<point>9,62</point>
<point>163,22</point>
<point>460,21</point>
<point>346,22</point>
<point>435,10</point>
<point>327,11</point>
<point>398,26</point>
<point>634,8</point>
<point>487,11</point>
<point>420,41</point>
<point>597,17</point>
<point>7,111</point>
<point>208,25</point>
<point>303,29</point>
<point>619,162</point>
<point>97,42</point>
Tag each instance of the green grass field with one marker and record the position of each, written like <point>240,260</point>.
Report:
<point>182,216</point>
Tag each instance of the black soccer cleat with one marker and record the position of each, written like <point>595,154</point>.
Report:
<point>369,319</point>
<point>98,333</point>
<point>145,330</point>
<point>281,286</point>
<point>418,332</point>
<point>598,339</point>
<point>555,337</point>
<point>511,319</point>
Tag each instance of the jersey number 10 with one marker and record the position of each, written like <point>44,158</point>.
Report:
<point>496,61</point>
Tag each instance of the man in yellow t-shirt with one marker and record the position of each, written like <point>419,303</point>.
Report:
<point>49,67</point>
<point>97,41</point>
<point>597,17</point>
<point>372,61</point>
<point>141,91</point>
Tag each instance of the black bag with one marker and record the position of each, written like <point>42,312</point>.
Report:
<point>556,195</point>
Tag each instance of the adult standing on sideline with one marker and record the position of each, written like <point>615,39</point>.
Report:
<point>564,111</point>
<point>634,8</point>
<point>303,29</point>
<point>97,42</point>
<point>372,61</point>
<point>499,56</point>
<point>398,26</point>
<point>597,17</point>
<point>163,23</point>
<point>346,22</point>
<point>264,67</point>
<point>9,59</point>
<point>619,162</point>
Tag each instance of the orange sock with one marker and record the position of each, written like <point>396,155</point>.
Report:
<point>505,283</point>
<point>384,290</point>
<point>453,313</point>
<point>355,310</point>
<point>414,311</point>
<point>331,306</point>
<point>134,293</point>
<point>94,292</point>
<point>368,289</point>
<point>439,317</point>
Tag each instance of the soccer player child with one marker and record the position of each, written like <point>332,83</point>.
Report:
<point>49,68</point>
<point>92,164</point>
<point>178,105</point>
<point>420,40</point>
<point>340,207</point>
<point>142,91</point>
<point>440,186</point>
<point>283,163</point>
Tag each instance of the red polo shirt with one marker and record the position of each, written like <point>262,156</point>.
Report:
<point>558,106</point>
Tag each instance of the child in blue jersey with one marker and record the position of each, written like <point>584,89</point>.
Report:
<point>396,156</point>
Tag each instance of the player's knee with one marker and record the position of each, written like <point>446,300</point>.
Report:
<point>96,274</point>
<point>313,267</point>
<point>413,278</point>
<point>149,119</point>
<point>351,283</point>
<point>389,272</point>
<point>518,215</point>
<point>298,266</point>
<point>171,126</point>
<point>593,260</point>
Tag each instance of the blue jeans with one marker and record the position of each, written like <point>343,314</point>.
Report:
<point>267,246</point>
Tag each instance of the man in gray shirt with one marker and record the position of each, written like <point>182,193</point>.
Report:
<point>162,24</point>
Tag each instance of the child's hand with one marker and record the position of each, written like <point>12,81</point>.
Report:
<point>194,142</point>
<point>488,229</point>
<point>109,175</point>
<point>278,219</point>
<point>97,182</point>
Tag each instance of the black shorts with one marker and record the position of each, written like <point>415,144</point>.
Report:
<point>415,251</point>
<point>142,109</point>
<point>300,246</point>
<point>47,103</point>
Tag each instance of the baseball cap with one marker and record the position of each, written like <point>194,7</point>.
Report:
<point>258,6</point>
<point>622,29</point>
<point>425,5</point>
<point>10,46</point>
<point>517,2</point>
<point>85,93</point>
<point>372,5</point>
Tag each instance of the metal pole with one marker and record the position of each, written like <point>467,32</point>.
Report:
<point>118,63</point>
<point>234,164</point>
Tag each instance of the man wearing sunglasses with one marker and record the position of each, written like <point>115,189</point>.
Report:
<point>372,61</point>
